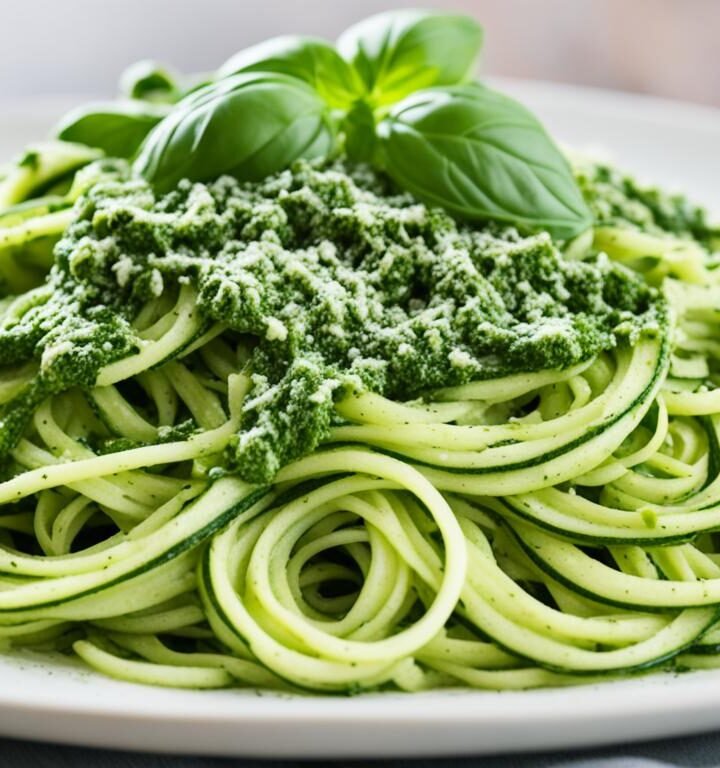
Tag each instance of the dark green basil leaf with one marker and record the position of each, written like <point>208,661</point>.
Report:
<point>312,60</point>
<point>118,128</point>
<point>150,81</point>
<point>481,155</point>
<point>248,126</point>
<point>399,52</point>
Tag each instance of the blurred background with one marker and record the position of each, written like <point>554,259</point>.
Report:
<point>64,47</point>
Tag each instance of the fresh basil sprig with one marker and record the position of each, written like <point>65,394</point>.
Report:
<point>116,127</point>
<point>248,125</point>
<point>311,60</point>
<point>481,155</point>
<point>399,52</point>
<point>395,93</point>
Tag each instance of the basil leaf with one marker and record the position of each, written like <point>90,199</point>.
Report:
<point>150,81</point>
<point>311,60</point>
<point>359,129</point>
<point>118,128</point>
<point>399,52</point>
<point>482,155</point>
<point>248,126</point>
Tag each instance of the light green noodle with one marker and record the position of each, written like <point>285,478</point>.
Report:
<point>539,529</point>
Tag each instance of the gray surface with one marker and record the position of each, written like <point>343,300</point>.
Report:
<point>695,752</point>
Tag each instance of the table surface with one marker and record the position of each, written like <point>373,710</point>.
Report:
<point>695,752</point>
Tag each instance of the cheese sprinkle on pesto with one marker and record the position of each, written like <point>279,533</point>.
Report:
<point>340,284</point>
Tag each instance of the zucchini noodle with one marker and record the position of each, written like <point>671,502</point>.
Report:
<point>540,528</point>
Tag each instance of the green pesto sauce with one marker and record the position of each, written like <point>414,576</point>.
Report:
<point>342,283</point>
<point>617,199</point>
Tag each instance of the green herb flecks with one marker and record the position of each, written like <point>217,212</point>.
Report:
<point>617,199</point>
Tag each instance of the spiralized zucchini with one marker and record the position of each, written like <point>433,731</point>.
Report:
<point>548,528</point>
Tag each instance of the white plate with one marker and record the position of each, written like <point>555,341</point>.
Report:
<point>54,699</point>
